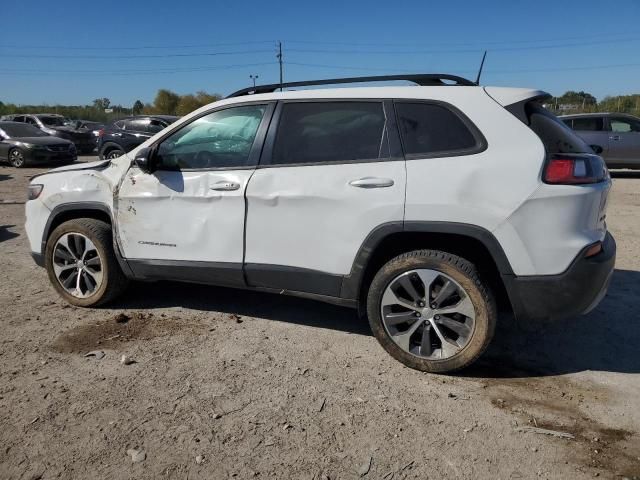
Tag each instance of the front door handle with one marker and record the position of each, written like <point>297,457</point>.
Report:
<point>371,182</point>
<point>615,137</point>
<point>225,186</point>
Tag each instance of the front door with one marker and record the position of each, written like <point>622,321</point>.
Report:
<point>328,177</point>
<point>186,220</point>
<point>624,141</point>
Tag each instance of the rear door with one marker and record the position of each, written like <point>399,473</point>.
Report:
<point>593,130</point>
<point>624,141</point>
<point>331,172</point>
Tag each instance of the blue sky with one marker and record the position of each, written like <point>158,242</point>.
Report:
<point>71,52</point>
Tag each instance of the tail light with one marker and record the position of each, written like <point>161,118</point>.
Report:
<point>574,170</point>
<point>101,132</point>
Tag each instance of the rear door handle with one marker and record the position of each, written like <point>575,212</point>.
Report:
<point>371,182</point>
<point>225,186</point>
<point>614,137</point>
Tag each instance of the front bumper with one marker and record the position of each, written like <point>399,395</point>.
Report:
<point>577,291</point>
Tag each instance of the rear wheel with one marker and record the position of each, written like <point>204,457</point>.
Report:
<point>16,158</point>
<point>431,311</point>
<point>81,263</point>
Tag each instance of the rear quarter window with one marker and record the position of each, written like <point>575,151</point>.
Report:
<point>555,135</point>
<point>430,129</point>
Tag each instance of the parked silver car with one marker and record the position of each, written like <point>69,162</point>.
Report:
<point>617,134</point>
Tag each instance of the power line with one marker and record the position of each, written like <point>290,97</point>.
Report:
<point>479,48</point>
<point>131,72</point>
<point>142,47</point>
<point>165,55</point>
<point>412,70</point>
<point>474,43</point>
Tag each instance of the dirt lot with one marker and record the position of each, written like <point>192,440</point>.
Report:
<point>238,384</point>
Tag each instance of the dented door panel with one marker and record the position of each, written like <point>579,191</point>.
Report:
<point>172,215</point>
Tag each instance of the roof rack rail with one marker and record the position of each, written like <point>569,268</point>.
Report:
<point>422,79</point>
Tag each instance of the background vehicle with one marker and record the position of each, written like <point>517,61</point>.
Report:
<point>617,134</point>
<point>124,135</point>
<point>427,207</point>
<point>53,124</point>
<point>21,144</point>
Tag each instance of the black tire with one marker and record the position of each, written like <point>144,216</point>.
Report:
<point>112,151</point>
<point>114,282</point>
<point>17,158</point>
<point>466,275</point>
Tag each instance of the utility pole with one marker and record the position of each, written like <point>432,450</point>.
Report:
<point>279,57</point>
<point>253,77</point>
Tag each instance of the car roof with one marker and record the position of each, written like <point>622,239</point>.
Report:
<point>601,114</point>
<point>503,95</point>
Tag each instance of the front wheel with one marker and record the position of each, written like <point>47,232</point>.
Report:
<point>81,263</point>
<point>114,153</point>
<point>16,158</point>
<point>431,311</point>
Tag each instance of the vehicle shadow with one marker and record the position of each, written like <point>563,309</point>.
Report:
<point>270,306</point>
<point>6,234</point>
<point>4,177</point>
<point>625,173</point>
<point>606,339</point>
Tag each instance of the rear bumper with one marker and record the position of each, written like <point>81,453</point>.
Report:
<point>577,291</point>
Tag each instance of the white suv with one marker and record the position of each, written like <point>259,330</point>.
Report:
<point>426,207</point>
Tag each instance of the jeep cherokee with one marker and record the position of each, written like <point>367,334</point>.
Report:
<point>422,206</point>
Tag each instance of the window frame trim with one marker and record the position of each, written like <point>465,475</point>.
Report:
<point>481,142</point>
<point>390,129</point>
<point>256,148</point>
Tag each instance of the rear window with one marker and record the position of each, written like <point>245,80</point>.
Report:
<point>312,132</point>
<point>588,124</point>
<point>555,135</point>
<point>432,129</point>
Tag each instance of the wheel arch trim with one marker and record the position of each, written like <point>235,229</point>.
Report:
<point>86,207</point>
<point>352,283</point>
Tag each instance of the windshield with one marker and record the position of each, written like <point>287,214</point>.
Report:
<point>52,121</point>
<point>17,130</point>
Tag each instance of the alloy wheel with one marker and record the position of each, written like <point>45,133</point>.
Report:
<point>428,314</point>
<point>114,154</point>
<point>77,265</point>
<point>16,158</point>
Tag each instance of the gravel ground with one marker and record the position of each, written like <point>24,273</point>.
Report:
<point>240,384</point>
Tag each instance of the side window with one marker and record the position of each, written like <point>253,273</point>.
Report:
<point>136,125</point>
<point>624,125</point>
<point>155,126</point>
<point>311,132</point>
<point>568,122</point>
<point>222,139</point>
<point>19,118</point>
<point>31,121</point>
<point>119,124</point>
<point>431,129</point>
<point>588,124</point>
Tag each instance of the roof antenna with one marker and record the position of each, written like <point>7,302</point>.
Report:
<point>481,65</point>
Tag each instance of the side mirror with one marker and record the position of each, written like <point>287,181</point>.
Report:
<point>144,160</point>
<point>597,149</point>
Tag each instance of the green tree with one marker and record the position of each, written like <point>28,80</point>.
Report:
<point>101,103</point>
<point>137,107</point>
<point>166,102</point>
<point>187,104</point>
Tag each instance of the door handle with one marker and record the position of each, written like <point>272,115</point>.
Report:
<point>614,137</point>
<point>371,182</point>
<point>225,186</point>
<point>116,134</point>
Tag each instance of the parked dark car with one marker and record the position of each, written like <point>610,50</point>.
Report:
<point>126,134</point>
<point>90,126</point>
<point>21,144</point>
<point>614,136</point>
<point>53,124</point>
